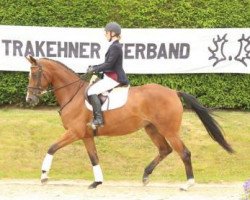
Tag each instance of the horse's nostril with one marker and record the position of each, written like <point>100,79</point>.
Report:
<point>32,100</point>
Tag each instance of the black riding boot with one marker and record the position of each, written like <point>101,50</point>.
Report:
<point>96,104</point>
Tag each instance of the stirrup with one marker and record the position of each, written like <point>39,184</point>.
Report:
<point>94,126</point>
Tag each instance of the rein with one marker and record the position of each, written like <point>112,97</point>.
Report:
<point>64,86</point>
<point>79,87</point>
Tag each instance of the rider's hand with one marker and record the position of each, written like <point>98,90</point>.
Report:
<point>90,69</point>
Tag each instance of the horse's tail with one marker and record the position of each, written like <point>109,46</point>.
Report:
<point>208,121</point>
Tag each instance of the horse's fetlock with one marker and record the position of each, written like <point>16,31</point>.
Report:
<point>52,149</point>
<point>148,170</point>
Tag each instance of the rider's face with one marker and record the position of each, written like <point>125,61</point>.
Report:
<point>109,35</point>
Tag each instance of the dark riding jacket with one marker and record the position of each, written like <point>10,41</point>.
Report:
<point>113,63</point>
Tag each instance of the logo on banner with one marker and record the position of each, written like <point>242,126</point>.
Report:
<point>218,54</point>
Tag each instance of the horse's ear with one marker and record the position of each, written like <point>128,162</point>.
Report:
<point>31,59</point>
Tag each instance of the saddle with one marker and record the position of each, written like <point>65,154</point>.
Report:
<point>112,99</point>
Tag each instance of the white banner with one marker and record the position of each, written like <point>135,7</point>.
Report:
<point>146,51</point>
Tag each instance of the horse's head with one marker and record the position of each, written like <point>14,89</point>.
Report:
<point>38,81</point>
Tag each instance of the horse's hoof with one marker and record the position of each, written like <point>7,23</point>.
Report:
<point>145,181</point>
<point>94,185</point>
<point>44,178</point>
<point>44,181</point>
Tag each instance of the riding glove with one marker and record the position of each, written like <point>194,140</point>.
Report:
<point>91,69</point>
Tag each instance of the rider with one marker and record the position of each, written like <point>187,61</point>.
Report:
<point>113,73</point>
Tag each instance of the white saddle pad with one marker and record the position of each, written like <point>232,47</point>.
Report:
<point>116,99</point>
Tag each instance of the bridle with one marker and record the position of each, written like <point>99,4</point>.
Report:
<point>38,90</point>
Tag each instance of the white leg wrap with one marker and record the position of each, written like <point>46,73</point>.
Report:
<point>189,183</point>
<point>98,173</point>
<point>47,162</point>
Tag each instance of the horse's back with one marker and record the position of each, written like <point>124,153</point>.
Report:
<point>153,93</point>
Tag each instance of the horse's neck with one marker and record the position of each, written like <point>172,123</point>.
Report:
<point>65,84</point>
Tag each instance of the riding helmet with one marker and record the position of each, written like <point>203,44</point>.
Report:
<point>113,26</point>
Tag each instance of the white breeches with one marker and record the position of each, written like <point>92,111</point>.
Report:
<point>102,85</point>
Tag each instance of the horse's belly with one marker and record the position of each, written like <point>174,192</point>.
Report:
<point>126,127</point>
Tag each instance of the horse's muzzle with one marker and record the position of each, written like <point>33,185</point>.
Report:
<point>32,100</point>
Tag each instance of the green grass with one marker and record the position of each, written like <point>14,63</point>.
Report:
<point>25,136</point>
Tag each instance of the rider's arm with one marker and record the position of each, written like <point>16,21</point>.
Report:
<point>114,53</point>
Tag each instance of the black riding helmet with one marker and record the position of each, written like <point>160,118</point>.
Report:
<point>114,27</point>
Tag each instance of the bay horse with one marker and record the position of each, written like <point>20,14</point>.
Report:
<point>153,107</point>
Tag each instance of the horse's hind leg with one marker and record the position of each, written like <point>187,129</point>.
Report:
<point>185,155</point>
<point>163,147</point>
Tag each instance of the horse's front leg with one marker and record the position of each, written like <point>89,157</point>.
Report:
<point>91,149</point>
<point>66,139</point>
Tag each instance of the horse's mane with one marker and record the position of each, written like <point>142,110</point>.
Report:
<point>63,65</point>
